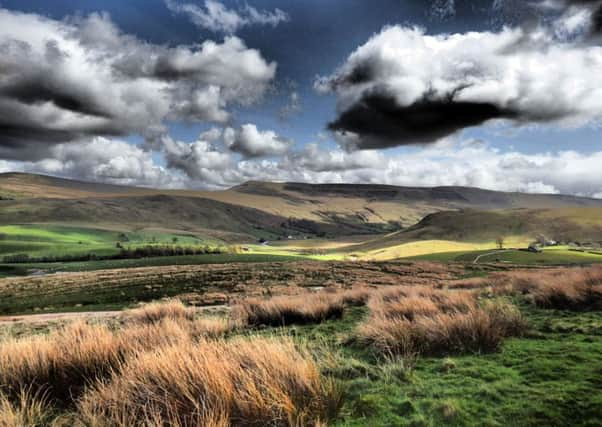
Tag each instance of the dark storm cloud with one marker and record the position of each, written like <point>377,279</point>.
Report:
<point>382,123</point>
<point>405,87</point>
<point>79,78</point>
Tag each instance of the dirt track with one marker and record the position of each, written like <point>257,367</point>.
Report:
<point>52,317</point>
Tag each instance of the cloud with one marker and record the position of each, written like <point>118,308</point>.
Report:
<point>314,159</point>
<point>200,161</point>
<point>104,160</point>
<point>203,164</point>
<point>81,77</point>
<point>405,87</point>
<point>449,162</point>
<point>251,142</point>
<point>217,18</point>
<point>576,15</point>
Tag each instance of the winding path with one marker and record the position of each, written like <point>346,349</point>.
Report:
<point>499,251</point>
<point>76,315</point>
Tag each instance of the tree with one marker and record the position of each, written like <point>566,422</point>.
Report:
<point>499,242</point>
<point>174,240</point>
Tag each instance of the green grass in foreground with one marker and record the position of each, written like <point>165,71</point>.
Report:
<point>552,377</point>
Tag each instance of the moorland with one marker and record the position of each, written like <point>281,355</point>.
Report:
<point>291,304</point>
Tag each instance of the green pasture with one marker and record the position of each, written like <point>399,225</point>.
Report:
<point>38,240</point>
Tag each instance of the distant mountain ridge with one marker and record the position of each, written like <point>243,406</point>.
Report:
<point>256,208</point>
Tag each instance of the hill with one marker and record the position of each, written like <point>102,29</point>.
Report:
<point>517,226</point>
<point>340,208</point>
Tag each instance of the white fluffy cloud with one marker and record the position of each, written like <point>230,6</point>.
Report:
<point>104,160</point>
<point>81,77</point>
<point>203,164</point>
<point>201,161</point>
<point>218,18</point>
<point>404,86</point>
<point>252,142</point>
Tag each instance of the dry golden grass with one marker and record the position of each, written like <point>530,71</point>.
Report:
<point>30,410</point>
<point>572,289</point>
<point>245,381</point>
<point>64,362</point>
<point>407,321</point>
<point>161,369</point>
<point>60,364</point>
<point>282,310</point>
<point>157,311</point>
<point>211,327</point>
<point>356,296</point>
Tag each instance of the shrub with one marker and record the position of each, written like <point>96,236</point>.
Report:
<point>245,381</point>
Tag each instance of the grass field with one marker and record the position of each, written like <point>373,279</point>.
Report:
<point>119,288</point>
<point>22,269</point>
<point>551,377</point>
<point>38,240</point>
<point>550,374</point>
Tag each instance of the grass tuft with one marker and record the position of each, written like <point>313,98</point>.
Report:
<point>287,310</point>
<point>567,289</point>
<point>30,409</point>
<point>245,381</point>
<point>157,311</point>
<point>420,321</point>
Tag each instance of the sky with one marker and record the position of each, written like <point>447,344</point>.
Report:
<point>207,94</point>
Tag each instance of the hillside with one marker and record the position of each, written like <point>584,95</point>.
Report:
<point>335,209</point>
<point>582,224</point>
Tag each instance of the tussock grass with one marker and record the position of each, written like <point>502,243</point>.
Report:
<point>287,310</point>
<point>567,289</point>
<point>357,296</point>
<point>211,327</point>
<point>63,363</point>
<point>157,311</point>
<point>162,372</point>
<point>29,410</point>
<point>409,321</point>
<point>245,381</point>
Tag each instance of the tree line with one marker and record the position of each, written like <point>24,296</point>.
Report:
<point>137,252</point>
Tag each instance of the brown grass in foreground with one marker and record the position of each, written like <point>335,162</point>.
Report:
<point>161,372</point>
<point>407,321</point>
<point>62,363</point>
<point>284,310</point>
<point>572,289</point>
<point>245,381</point>
<point>28,411</point>
<point>157,311</point>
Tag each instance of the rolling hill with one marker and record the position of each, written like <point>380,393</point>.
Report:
<point>262,209</point>
<point>472,230</point>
